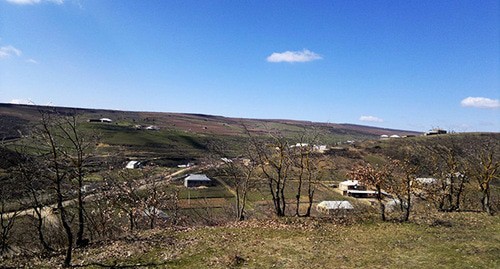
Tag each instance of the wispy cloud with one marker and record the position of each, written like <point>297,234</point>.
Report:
<point>7,51</point>
<point>293,56</point>
<point>370,119</point>
<point>32,61</point>
<point>33,2</point>
<point>480,102</point>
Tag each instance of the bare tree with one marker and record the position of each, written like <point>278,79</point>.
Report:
<point>57,172</point>
<point>29,172</point>
<point>483,165</point>
<point>7,220</point>
<point>274,160</point>
<point>124,194</point>
<point>375,177</point>
<point>307,164</point>
<point>240,171</point>
<point>447,165</point>
<point>78,151</point>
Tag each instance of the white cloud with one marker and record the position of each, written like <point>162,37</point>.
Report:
<point>7,51</point>
<point>32,61</point>
<point>370,119</point>
<point>32,2</point>
<point>480,102</point>
<point>294,56</point>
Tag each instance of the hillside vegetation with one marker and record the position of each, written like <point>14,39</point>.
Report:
<point>67,200</point>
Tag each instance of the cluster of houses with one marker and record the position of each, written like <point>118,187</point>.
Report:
<point>435,131</point>
<point>315,148</point>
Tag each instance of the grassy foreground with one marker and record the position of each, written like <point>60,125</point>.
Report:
<point>453,240</point>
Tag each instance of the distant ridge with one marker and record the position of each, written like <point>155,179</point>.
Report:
<point>16,119</point>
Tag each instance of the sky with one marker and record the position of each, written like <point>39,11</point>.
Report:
<point>412,65</point>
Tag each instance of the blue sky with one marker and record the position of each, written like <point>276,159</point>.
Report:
<point>409,65</point>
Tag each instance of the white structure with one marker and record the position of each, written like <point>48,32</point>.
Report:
<point>350,185</point>
<point>196,180</point>
<point>344,185</point>
<point>426,180</point>
<point>106,120</point>
<point>133,165</point>
<point>395,136</point>
<point>384,137</point>
<point>320,148</point>
<point>328,207</point>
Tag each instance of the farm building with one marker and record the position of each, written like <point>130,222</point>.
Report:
<point>105,120</point>
<point>133,165</point>
<point>328,207</point>
<point>196,180</point>
<point>348,185</point>
<point>436,132</point>
<point>364,193</point>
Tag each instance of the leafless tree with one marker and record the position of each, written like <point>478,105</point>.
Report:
<point>7,220</point>
<point>77,149</point>
<point>483,166</point>
<point>57,171</point>
<point>29,172</point>
<point>307,166</point>
<point>447,165</point>
<point>275,162</point>
<point>376,177</point>
<point>239,170</point>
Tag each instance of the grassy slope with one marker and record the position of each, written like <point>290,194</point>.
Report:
<point>467,240</point>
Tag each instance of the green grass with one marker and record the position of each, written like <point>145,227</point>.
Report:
<point>470,241</point>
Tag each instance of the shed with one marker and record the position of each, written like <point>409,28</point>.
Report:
<point>196,180</point>
<point>133,165</point>
<point>328,207</point>
<point>347,185</point>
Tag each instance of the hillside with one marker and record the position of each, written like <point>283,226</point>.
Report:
<point>16,120</point>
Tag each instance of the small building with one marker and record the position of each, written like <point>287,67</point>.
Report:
<point>133,165</point>
<point>152,127</point>
<point>425,180</point>
<point>320,148</point>
<point>436,132</point>
<point>361,193</point>
<point>197,180</point>
<point>105,120</point>
<point>395,136</point>
<point>347,185</point>
<point>384,137</point>
<point>329,207</point>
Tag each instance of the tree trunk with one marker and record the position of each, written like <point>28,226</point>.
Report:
<point>381,203</point>
<point>39,228</point>
<point>80,242</point>
<point>486,201</point>
<point>66,226</point>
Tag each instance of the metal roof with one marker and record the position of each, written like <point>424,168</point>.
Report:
<point>198,177</point>
<point>335,205</point>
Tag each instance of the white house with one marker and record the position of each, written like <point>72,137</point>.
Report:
<point>196,180</point>
<point>328,207</point>
<point>133,165</point>
<point>347,185</point>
